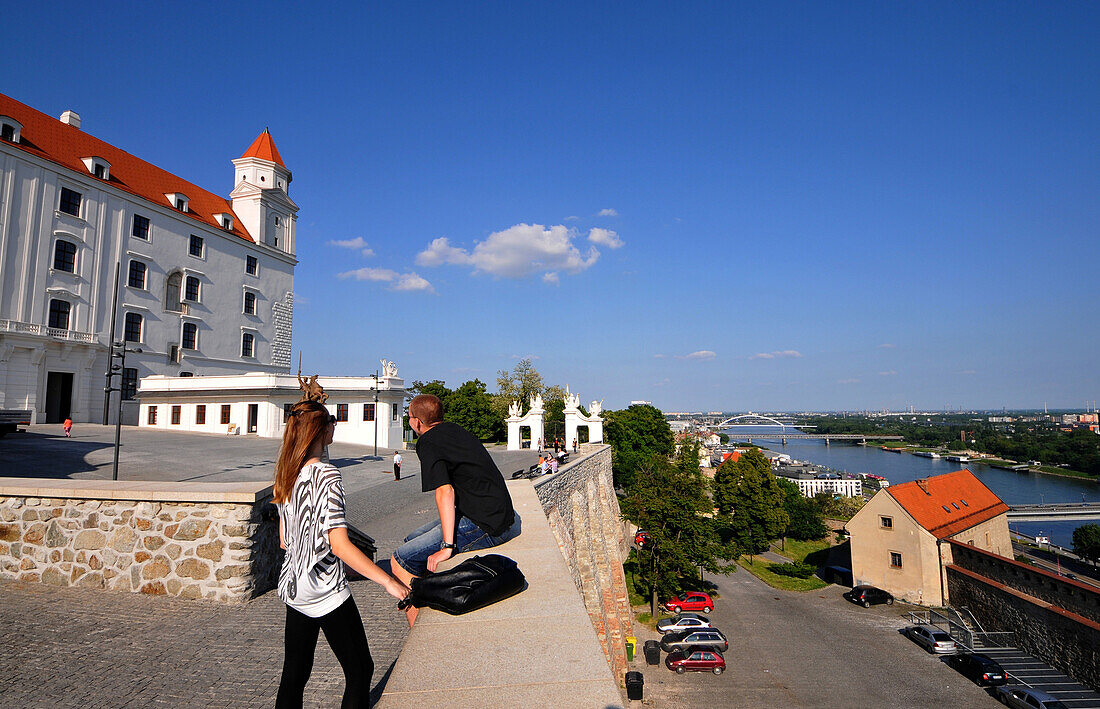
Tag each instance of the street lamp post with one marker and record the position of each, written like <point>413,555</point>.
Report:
<point>376,413</point>
<point>119,350</point>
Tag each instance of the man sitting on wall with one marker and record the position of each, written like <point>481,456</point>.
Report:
<point>475,509</point>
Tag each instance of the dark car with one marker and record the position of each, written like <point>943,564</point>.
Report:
<point>698,659</point>
<point>981,669</point>
<point>711,637</point>
<point>868,596</point>
<point>1027,698</point>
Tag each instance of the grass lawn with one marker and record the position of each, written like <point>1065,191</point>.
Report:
<point>759,568</point>
<point>1055,470</point>
<point>798,550</point>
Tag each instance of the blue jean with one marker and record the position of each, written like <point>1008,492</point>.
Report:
<point>413,554</point>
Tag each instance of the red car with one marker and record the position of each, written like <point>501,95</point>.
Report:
<point>696,660</point>
<point>641,539</point>
<point>693,601</point>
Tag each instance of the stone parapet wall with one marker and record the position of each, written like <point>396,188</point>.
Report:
<point>1052,618</point>
<point>219,549</point>
<point>583,512</point>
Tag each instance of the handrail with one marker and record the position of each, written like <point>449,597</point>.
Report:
<point>973,620</point>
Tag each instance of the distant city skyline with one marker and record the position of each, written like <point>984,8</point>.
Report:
<point>707,206</point>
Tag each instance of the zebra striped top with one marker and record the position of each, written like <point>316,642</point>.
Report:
<point>312,578</point>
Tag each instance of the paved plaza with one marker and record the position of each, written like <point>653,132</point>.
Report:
<point>76,647</point>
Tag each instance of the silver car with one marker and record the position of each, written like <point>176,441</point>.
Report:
<point>1026,698</point>
<point>683,621</point>
<point>682,640</point>
<point>931,639</point>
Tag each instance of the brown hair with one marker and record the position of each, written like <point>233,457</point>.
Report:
<point>306,423</point>
<point>426,407</point>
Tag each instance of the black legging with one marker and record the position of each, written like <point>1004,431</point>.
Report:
<point>344,631</point>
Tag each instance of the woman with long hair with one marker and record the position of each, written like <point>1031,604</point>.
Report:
<point>310,497</point>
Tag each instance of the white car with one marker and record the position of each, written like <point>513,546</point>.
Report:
<point>683,621</point>
<point>931,639</point>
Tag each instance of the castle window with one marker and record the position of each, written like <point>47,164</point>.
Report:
<point>64,256</point>
<point>248,344</point>
<point>179,201</point>
<point>200,414</point>
<point>249,303</point>
<point>133,327</point>
<point>172,293</point>
<point>895,560</point>
<point>225,413</point>
<point>190,336</point>
<point>98,167</point>
<point>191,293</point>
<point>196,246</point>
<point>129,382</point>
<point>137,274</point>
<point>251,265</point>
<point>152,419</point>
<point>368,412</point>
<point>70,202</point>
<point>59,314</point>
<point>225,220</point>
<point>10,129</point>
<point>140,228</point>
<point>886,522</point>
<point>176,415</point>
<point>341,412</point>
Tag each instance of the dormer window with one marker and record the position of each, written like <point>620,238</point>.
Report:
<point>178,201</point>
<point>98,167</point>
<point>225,221</point>
<point>10,129</point>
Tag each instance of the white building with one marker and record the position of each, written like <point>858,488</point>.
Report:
<point>367,411</point>
<point>810,486</point>
<point>206,283</point>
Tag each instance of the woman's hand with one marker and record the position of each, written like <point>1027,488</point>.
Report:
<point>396,589</point>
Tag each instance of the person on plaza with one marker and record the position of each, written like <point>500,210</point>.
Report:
<point>475,509</point>
<point>68,428</point>
<point>574,445</point>
<point>552,465</point>
<point>396,465</point>
<point>309,495</point>
<point>540,445</point>
<point>544,464</point>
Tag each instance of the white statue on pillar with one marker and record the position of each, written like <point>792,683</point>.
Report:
<point>574,419</point>
<point>533,418</point>
<point>389,368</point>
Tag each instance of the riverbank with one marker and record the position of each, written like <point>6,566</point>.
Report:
<point>896,447</point>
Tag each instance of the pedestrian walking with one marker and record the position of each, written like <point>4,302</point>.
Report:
<point>68,428</point>
<point>396,465</point>
<point>309,495</point>
<point>574,445</point>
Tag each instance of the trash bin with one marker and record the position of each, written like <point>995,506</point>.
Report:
<point>634,682</point>
<point>631,648</point>
<point>652,650</point>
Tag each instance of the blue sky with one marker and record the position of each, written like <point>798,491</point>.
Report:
<point>709,206</point>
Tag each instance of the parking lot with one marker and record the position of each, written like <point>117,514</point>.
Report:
<point>1026,670</point>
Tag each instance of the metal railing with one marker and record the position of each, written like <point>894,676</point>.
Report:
<point>958,629</point>
<point>27,328</point>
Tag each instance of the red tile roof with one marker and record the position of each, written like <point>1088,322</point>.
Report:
<point>948,504</point>
<point>264,148</point>
<point>50,139</point>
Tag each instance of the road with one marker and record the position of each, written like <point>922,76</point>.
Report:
<point>811,650</point>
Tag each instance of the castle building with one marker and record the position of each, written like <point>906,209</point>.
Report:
<point>204,283</point>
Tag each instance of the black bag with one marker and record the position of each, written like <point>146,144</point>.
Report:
<point>475,583</point>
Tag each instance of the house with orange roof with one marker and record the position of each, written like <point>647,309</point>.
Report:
<point>97,244</point>
<point>897,538</point>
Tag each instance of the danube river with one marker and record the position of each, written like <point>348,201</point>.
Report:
<point>1012,487</point>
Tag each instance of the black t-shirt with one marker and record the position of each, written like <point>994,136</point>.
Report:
<point>451,455</point>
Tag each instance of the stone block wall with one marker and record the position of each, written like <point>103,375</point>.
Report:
<point>584,515</point>
<point>1052,618</point>
<point>213,550</point>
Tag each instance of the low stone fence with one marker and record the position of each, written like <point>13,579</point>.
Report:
<point>216,541</point>
<point>584,515</point>
<point>1052,617</point>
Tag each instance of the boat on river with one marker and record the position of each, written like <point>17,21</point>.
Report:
<point>926,454</point>
<point>959,458</point>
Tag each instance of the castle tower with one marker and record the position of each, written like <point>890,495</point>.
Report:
<point>261,197</point>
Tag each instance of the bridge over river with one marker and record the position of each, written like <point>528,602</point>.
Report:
<point>1054,511</point>
<point>781,436</point>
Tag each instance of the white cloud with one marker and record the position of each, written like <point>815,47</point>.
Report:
<point>398,281</point>
<point>605,237</point>
<point>889,373</point>
<point>777,354</point>
<point>551,277</point>
<point>886,346</point>
<point>847,381</point>
<point>660,356</point>
<point>609,212</point>
<point>356,243</point>
<point>572,218</point>
<point>700,355</point>
<point>516,252</point>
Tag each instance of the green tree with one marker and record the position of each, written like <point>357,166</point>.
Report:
<point>673,507</point>
<point>1086,542</point>
<point>520,384</point>
<point>636,435</point>
<point>805,518</point>
<point>751,501</point>
<point>471,407</point>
